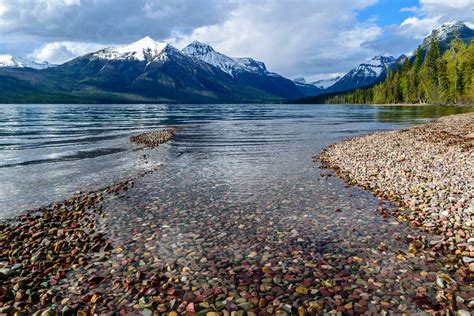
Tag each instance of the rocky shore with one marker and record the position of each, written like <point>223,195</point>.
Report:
<point>158,246</point>
<point>155,138</point>
<point>428,170</point>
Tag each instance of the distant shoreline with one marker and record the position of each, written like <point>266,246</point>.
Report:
<point>276,102</point>
<point>422,105</point>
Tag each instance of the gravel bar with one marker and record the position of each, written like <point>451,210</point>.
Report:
<point>155,138</point>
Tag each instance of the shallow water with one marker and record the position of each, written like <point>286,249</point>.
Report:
<point>47,152</point>
<point>237,194</point>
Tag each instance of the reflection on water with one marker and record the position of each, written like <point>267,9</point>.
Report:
<point>49,151</point>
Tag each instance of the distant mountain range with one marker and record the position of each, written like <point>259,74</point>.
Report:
<point>367,73</point>
<point>375,70</point>
<point>150,71</point>
<point>15,62</point>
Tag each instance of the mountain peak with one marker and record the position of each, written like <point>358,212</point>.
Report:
<point>456,24</point>
<point>206,53</point>
<point>145,49</point>
<point>198,48</point>
<point>227,64</point>
<point>449,30</point>
<point>147,41</point>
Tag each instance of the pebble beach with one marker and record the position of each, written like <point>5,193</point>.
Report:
<point>167,243</point>
<point>429,172</point>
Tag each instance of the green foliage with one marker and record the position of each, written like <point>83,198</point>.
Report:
<point>435,78</point>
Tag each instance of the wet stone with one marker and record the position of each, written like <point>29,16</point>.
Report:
<point>185,241</point>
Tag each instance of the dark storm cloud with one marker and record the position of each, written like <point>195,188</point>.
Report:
<point>110,21</point>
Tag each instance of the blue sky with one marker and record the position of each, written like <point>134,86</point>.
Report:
<point>388,12</point>
<point>296,38</point>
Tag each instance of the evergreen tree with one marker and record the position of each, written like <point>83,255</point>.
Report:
<point>418,60</point>
<point>429,72</point>
<point>447,78</point>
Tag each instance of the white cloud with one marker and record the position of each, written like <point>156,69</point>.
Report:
<point>304,37</point>
<point>441,4</point>
<point>3,9</point>
<point>433,13</point>
<point>357,36</point>
<point>430,14</point>
<point>72,2</point>
<point>419,27</point>
<point>293,37</point>
<point>322,76</point>
<point>60,52</point>
<point>409,9</point>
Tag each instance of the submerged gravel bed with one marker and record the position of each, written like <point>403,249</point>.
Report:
<point>429,171</point>
<point>40,247</point>
<point>186,241</point>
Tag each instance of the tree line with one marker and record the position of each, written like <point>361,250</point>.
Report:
<point>427,78</point>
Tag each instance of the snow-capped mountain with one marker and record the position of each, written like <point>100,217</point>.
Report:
<point>145,49</point>
<point>209,55</point>
<point>307,89</point>
<point>325,83</point>
<point>366,74</point>
<point>152,71</point>
<point>245,70</point>
<point>446,32</point>
<point>321,84</point>
<point>9,61</point>
<point>225,63</point>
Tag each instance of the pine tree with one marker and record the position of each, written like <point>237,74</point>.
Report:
<point>436,79</point>
<point>429,72</point>
<point>418,60</point>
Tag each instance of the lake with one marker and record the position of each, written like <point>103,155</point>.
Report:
<point>237,216</point>
<point>47,152</point>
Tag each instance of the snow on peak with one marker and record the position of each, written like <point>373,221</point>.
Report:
<point>8,61</point>
<point>250,64</point>
<point>145,49</point>
<point>300,80</point>
<point>444,30</point>
<point>456,24</point>
<point>380,61</point>
<point>374,67</point>
<point>197,47</point>
<point>227,64</point>
<point>325,83</point>
<point>206,53</point>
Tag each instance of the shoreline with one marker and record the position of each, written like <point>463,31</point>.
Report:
<point>425,105</point>
<point>401,104</point>
<point>427,170</point>
<point>68,263</point>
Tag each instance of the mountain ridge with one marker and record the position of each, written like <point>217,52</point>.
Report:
<point>151,71</point>
<point>245,70</point>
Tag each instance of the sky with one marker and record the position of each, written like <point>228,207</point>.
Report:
<point>314,39</point>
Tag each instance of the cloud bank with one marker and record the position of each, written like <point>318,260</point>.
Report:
<point>311,38</point>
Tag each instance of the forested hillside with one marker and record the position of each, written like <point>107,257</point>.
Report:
<point>429,77</point>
